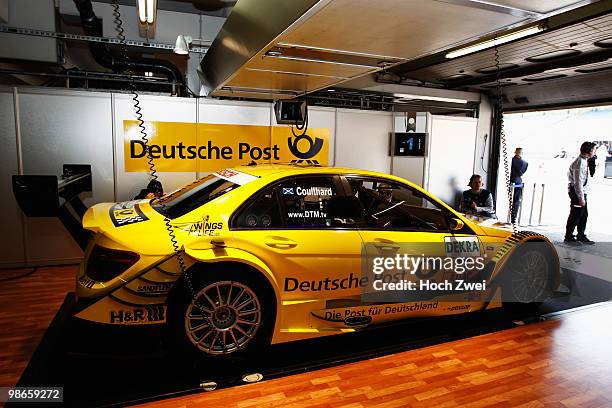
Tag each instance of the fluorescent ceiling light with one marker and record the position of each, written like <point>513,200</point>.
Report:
<point>146,11</point>
<point>429,98</point>
<point>294,73</point>
<point>334,50</point>
<point>495,41</point>
<point>142,11</point>
<point>320,61</point>
<point>151,6</point>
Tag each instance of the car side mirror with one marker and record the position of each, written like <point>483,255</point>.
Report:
<point>456,224</point>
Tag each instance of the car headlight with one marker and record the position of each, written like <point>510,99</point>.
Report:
<point>105,264</point>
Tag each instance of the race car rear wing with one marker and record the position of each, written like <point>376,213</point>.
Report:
<point>39,196</point>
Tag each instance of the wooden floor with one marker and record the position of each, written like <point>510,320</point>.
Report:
<point>27,306</point>
<point>563,362</point>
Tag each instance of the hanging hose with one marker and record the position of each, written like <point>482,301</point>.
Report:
<point>502,136</point>
<point>178,252</point>
<point>304,126</point>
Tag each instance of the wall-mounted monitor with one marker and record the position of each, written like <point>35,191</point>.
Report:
<point>408,144</point>
<point>290,112</point>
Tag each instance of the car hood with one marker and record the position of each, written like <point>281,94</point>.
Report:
<point>493,227</point>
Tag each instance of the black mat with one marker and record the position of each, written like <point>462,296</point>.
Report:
<point>102,367</point>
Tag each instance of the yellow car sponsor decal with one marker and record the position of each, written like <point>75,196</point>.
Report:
<point>112,311</point>
<point>203,228</point>
<point>138,315</point>
<point>126,213</point>
<point>341,314</point>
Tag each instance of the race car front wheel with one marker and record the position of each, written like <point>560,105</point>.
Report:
<point>528,276</point>
<point>231,313</point>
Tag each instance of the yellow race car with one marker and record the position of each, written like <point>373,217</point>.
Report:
<point>274,253</point>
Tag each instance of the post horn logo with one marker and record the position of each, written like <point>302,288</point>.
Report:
<point>314,146</point>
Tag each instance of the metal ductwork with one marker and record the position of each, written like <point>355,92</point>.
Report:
<point>103,55</point>
<point>279,49</point>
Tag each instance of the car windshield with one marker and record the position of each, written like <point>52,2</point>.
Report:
<point>192,196</point>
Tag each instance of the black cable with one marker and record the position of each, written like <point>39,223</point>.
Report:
<point>178,252</point>
<point>304,126</point>
<point>502,135</point>
<point>484,148</point>
<point>24,275</point>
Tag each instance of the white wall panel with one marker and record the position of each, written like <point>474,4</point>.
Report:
<point>63,127</point>
<point>324,118</point>
<point>35,14</point>
<point>451,156</point>
<point>483,139</point>
<point>234,113</point>
<point>11,239</point>
<point>154,108</point>
<point>362,140</point>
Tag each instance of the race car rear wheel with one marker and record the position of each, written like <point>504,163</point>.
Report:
<point>231,313</point>
<point>224,317</point>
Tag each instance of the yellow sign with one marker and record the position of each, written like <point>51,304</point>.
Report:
<point>204,147</point>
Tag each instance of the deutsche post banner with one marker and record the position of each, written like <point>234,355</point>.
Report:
<point>204,147</point>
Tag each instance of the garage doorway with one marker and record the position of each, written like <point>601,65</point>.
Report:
<point>551,141</point>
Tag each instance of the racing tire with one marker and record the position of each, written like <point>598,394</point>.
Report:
<point>528,277</point>
<point>233,313</point>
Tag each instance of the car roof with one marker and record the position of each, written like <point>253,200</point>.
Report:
<point>282,170</point>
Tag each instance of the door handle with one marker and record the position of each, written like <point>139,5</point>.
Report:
<point>386,245</point>
<point>280,242</point>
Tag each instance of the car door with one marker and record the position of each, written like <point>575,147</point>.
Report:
<point>401,220</point>
<point>300,228</point>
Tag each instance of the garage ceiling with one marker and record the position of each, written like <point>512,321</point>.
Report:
<point>279,49</point>
<point>523,59</point>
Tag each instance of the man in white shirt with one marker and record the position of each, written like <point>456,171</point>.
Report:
<point>578,178</point>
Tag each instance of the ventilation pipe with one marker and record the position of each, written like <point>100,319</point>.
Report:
<point>103,55</point>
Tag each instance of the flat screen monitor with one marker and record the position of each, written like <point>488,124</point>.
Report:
<point>408,144</point>
<point>290,112</point>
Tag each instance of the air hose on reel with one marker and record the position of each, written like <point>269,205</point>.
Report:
<point>178,252</point>
<point>499,104</point>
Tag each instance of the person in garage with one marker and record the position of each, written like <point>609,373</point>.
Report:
<point>153,190</point>
<point>578,178</point>
<point>519,167</point>
<point>477,200</point>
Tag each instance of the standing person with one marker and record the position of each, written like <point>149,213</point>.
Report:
<point>477,200</point>
<point>519,167</point>
<point>578,178</point>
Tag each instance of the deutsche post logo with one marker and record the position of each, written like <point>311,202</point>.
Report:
<point>314,146</point>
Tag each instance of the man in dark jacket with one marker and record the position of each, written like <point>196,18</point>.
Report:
<point>519,167</point>
<point>477,200</point>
